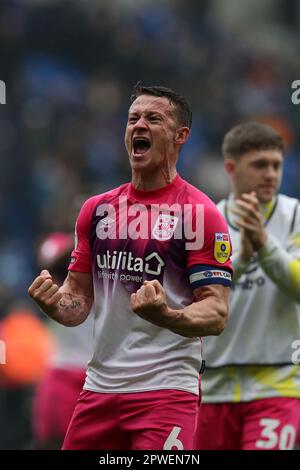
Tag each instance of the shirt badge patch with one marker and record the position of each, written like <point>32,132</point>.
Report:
<point>164,227</point>
<point>222,247</point>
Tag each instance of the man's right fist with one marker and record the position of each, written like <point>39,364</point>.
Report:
<point>45,292</point>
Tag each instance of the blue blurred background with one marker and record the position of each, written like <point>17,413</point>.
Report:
<point>69,67</point>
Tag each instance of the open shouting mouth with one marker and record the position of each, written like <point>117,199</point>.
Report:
<point>141,145</point>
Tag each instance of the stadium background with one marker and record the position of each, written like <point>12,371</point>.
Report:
<point>69,67</point>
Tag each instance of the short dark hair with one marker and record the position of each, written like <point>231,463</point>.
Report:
<point>184,112</point>
<point>250,136</point>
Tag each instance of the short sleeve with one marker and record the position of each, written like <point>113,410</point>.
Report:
<point>81,255</point>
<point>210,264</point>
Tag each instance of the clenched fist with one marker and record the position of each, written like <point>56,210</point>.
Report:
<point>150,303</point>
<point>45,292</point>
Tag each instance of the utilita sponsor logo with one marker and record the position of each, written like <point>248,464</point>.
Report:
<point>166,222</point>
<point>124,261</point>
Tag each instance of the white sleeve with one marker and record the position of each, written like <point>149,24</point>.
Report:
<point>282,264</point>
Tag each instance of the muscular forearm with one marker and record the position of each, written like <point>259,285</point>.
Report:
<point>70,304</point>
<point>206,316</point>
<point>203,318</point>
<point>281,267</point>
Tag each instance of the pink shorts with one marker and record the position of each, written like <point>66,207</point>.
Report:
<point>154,420</point>
<point>54,403</point>
<point>265,424</point>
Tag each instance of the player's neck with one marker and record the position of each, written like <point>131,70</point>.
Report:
<point>151,182</point>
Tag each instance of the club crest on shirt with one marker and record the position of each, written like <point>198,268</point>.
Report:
<point>222,247</point>
<point>164,227</point>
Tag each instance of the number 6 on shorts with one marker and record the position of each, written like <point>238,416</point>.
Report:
<point>173,441</point>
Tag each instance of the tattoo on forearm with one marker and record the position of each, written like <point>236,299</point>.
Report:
<point>73,308</point>
<point>69,301</point>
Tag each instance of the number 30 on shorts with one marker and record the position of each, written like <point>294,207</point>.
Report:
<point>284,438</point>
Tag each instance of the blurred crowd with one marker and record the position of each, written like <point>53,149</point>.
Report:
<point>69,67</point>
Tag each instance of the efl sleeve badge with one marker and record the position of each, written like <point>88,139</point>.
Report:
<point>222,247</point>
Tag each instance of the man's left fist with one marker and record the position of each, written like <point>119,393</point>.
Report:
<point>150,303</point>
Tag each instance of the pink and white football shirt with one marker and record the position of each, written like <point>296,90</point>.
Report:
<point>131,354</point>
